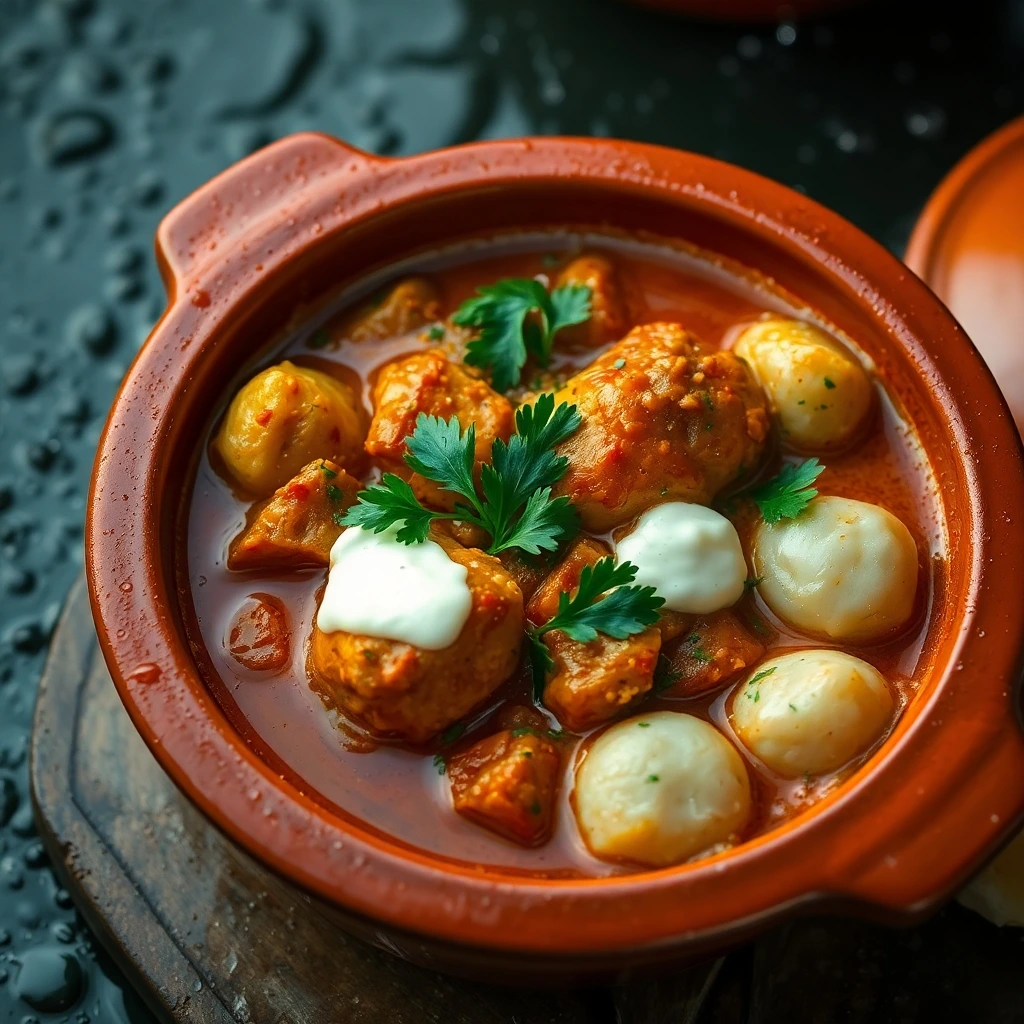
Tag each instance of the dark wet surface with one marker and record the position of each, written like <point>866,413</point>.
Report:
<point>111,111</point>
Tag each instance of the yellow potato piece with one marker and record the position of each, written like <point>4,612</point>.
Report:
<point>283,419</point>
<point>818,392</point>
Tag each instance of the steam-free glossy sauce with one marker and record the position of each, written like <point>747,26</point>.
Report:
<point>398,790</point>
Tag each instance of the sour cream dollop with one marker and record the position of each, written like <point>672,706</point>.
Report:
<point>378,587</point>
<point>690,554</point>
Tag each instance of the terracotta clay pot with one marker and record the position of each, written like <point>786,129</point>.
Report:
<point>968,246</point>
<point>308,214</point>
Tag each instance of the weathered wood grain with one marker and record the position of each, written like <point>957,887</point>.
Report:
<point>206,933</point>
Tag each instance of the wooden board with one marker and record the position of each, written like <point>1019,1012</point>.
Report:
<point>208,935</point>
<point>204,932</point>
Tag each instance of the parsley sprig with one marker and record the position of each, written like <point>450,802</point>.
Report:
<point>603,603</point>
<point>516,507</point>
<point>788,493</point>
<point>508,333</point>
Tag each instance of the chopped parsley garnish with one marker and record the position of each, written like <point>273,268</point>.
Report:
<point>829,384</point>
<point>763,674</point>
<point>653,778</point>
<point>440,764</point>
<point>516,508</point>
<point>452,733</point>
<point>665,676</point>
<point>327,471</point>
<point>334,492</point>
<point>644,725</point>
<point>603,603</point>
<point>436,332</point>
<point>786,495</point>
<point>751,582</point>
<point>508,333</point>
<point>792,707</point>
<point>319,339</point>
<point>619,364</point>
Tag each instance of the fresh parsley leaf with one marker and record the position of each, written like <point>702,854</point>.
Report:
<point>603,603</point>
<point>542,525</point>
<point>786,495</point>
<point>516,507</point>
<point>508,333</point>
<point>439,450</point>
<point>545,425</point>
<point>570,305</point>
<point>389,502</point>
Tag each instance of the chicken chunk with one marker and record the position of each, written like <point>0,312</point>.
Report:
<point>608,318</point>
<point>662,421</point>
<point>508,783</point>
<point>408,305</point>
<point>258,639</point>
<point>592,682</point>
<point>715,650</point>
<point>427,382</point>
<point>283,419</point>
<point>399,690</point>
<point>296,527</point>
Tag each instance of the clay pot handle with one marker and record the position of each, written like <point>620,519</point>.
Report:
<point>270,180</point>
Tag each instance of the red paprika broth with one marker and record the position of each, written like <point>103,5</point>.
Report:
<point>400,790</point>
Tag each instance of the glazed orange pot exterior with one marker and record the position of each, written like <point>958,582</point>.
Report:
<point>308,214</point>
<point>968,246</point>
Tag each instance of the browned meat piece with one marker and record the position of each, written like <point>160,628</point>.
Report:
<point>427,382</point>
<point>410,304</point>
<point>399,690</point>
<point>591,682</point>
<point>296,527</point>
<point>661,422</point>
<point>508,783</point>
<point>284,418</point>
<point>529,571</point>
<point>608,318</point>
<point>715,650</point>
<point>258,639</point>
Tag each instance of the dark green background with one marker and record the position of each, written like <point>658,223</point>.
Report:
<point>111,111</point>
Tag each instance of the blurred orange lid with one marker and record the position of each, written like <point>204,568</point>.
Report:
<point>968,246</point>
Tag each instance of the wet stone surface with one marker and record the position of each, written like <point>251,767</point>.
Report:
<point>112,110</point>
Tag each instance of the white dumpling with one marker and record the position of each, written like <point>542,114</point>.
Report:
<point>843,569</point>
<point>811,711</point>
<point>818,392</point>
<point>660,788</point>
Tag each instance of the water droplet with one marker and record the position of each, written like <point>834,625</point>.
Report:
<point>74,135</point>
<point>48,979</point>
<point>146,674</point>
<point>92,328</point>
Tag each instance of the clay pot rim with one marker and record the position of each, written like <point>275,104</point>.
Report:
<point>957,782</point>
<point>928,236</point>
